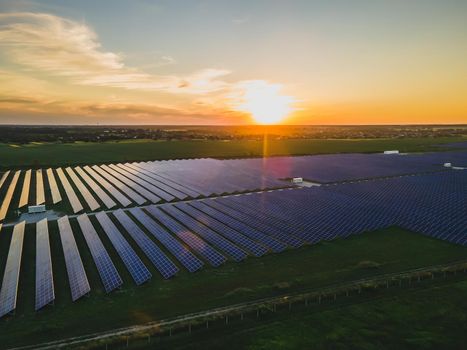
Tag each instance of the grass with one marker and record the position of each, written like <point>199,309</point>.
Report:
<point>365,255</point>
<point>432,318</point>
<point>57,154</point>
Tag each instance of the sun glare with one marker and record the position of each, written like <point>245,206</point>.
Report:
<point>265,103</point>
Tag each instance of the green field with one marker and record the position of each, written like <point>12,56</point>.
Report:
<point>432,318</point>
<point>391,250</point>
<point>57,154</point>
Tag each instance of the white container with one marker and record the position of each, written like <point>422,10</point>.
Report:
<point>391,152</point>
<point>32,209</point>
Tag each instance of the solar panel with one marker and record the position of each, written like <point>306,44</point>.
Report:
<point>23,200</point>
<point>9,195</point>
<point>129,180</point>
<point>144,174</point>
<point>44,277</point>
<point>268,241</point>
<point>191,262</point>
<point>144,182</point>
<point>4,177</point>
<point>135,266</point>
<point>88,197</point>
<point>79,285</point>
<point>9,291</point>
<point>120,185</point>
<point>194,242</point>
<point>206,233</point>
<point>40,195</point>
<point>227,231</point>
<point>72,198</point>
<point>124,201</point>
<point>163,264</point>
<point>104,197</point>
<point>56,197</point>
<point>107,271</point>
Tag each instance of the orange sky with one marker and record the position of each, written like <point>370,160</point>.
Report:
<point>298,62</point>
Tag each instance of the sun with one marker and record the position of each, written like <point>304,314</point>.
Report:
<point>264,102</point>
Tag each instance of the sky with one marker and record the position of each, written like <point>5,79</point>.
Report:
<point>233,62</point>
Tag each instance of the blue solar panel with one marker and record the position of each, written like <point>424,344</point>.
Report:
<point>267,241</point>
<point>44,277</point>
<point>133,263</point>
<point>194,242</point>
<point>163,264</point>
<point>191,262</point>
<point>228,232</point>
<point>108,273</point>
<point>206,233</point>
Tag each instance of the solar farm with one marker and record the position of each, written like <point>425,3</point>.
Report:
<point>150,221</point>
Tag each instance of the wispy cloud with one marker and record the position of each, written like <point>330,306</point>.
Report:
<point>71,49</point>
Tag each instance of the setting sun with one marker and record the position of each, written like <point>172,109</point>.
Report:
<point>265,103</point>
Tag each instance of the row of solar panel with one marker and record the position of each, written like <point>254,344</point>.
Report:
<point>212,230</point>
<point>91,188</point>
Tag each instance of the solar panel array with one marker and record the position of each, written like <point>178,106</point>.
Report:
<point>107,271</point>
<point>45,293</point>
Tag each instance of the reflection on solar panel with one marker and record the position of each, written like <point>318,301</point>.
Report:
<point>223,229</point>
<point>191,262</point>
<point>9,195</point>
<point>128,179</point>
<point>56,197</point>
<point>146,175</point>
<point>107,271</point>
<point>44,277</point>
<point>79,284</point>
<point>72,198</point>
<point>128,172</point>
<point>104,197</point>
<point>4,176</point>
<point>9,291</point>
<point>193,241</point>
<point>133,263</point>
<point>25,191</point>
<point>165,266</point>
<point>272,243</point>
<point>90,200</point>
<point>206,233</point>
<point>120,185</point>
<point>40,195</point>
<point>111,189</point>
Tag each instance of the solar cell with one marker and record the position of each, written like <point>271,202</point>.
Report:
<point>104,197</point>
<point>56,197</point>
<point>163,264</point>
<point>120,185</point>
<point>72,198</point>
<point>191,262</point>
<point>40,195</point>
<point>79,285</point>
<point>88,197</point>
<point>107,271</point>
<point>44,277</point>
<point>133,263</point>
<point>193,241</point>
<point>148,176</point>
<point>9,291</point>
<point>124,201</point>
<point>221,228</point>
<point>9,195</point>
<point>4,177</point>
<point>129,180</point>
<point>144,182</point>
<point>23,200</point>
<point>206,233</point>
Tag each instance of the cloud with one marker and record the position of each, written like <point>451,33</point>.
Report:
<point>71,49</point>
